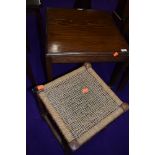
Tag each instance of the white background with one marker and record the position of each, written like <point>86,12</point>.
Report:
<point>13,77</point>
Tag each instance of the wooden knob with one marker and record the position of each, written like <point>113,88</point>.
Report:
<point>125,106</point>
<point>87,65</point>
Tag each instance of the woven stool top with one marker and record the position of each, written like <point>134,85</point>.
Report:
<point>81,104</point>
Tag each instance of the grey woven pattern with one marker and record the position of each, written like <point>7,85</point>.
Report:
<point>81,111</point>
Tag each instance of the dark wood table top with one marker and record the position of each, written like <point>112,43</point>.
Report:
<point>83,32</point>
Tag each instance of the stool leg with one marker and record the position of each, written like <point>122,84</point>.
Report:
<point>48,68</point>
<point>67,151</point>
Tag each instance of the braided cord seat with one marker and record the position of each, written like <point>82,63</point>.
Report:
<point>81,104</point>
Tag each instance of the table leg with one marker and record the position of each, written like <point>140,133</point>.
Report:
<point>40,26</point>
<point>42,36</point>
<point>30,73</point>
<point>84,4</point>
<point>124,79</point>
<point>116,73</point>
<point>48,68</point>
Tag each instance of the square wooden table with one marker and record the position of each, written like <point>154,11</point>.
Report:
<point>75,36</point>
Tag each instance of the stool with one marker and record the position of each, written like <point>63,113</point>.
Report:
<point>78,105</point>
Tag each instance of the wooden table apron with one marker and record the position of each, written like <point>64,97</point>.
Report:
<point>75,36</point>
